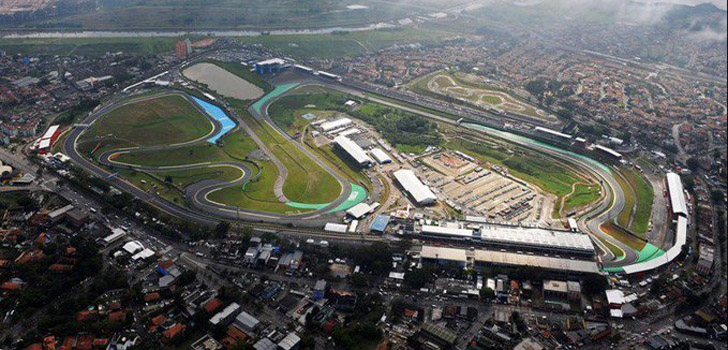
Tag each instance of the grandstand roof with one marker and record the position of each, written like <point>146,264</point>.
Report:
<point>609,151</point>
<point>49,133</point>
<point>271,61</point>
<point>536,236</point>
<point>517,235</point>
<point>553,132</point>
<point>544,262</point>
<point>450,231</point>
<point>356,152</point>
<point>419,191</point>
<point>677,196</point>
<point>443,253</point>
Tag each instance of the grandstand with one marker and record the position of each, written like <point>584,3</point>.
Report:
<point>679,209</point>
<point>677,194</point>
<point>516,237</point>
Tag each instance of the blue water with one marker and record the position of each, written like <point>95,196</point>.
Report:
<point>218,114</point>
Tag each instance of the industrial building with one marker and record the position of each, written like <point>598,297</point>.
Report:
<point>225,316</point>
<point>420,193</point>
<point>355,152</point>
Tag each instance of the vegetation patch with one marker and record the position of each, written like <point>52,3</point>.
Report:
<point>158,121</point>
<point>583,195</point>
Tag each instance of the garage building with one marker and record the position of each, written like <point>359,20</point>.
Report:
<point>421,193</point>
<point>353,150</point>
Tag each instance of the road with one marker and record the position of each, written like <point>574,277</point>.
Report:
<point>209,213</point>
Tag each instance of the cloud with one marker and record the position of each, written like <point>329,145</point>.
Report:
<point>710,34</point>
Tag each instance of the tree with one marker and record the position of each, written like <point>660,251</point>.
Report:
<point>693,164</point>
<point>487,293</point>
<point>594,284</point>
<point>717,196</point>
<point>418,278</point>
<point>221,230</point>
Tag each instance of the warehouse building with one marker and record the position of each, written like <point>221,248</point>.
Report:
<point>334,227</point>
<point>335,124</point>
<point>359,211</point>
<point>420,193</point>
<point>380,156</point>
<point>355,152</point>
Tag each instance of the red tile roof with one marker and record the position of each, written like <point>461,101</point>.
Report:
<point>117,316</point>
<point>213,305</point>
<point>86,315</point>
<point>151,297</point>
<point>174,332</point>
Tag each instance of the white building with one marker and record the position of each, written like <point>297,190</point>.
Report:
<point>358,211</point>
<point>353,150</point>
<point>421,193</point>
<point>333,227</point>
<point>335,124</point>
<point>677,194</point>
<point>133,247</point>
<point>380,156</point>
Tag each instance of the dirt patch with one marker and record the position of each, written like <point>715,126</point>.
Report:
<point>222,81</point>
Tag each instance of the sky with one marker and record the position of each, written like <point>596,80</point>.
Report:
<point>721,4</point>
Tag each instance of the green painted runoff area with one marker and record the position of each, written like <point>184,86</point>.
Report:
<point>358,194</point>
<point>278,91</point>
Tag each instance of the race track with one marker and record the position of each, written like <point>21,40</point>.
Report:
<point>205,211</point>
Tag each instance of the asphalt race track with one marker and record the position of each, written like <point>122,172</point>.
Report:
<point>207,212</point>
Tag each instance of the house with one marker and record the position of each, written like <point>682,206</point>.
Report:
<point>213,305</point>
<point>173,333</point>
